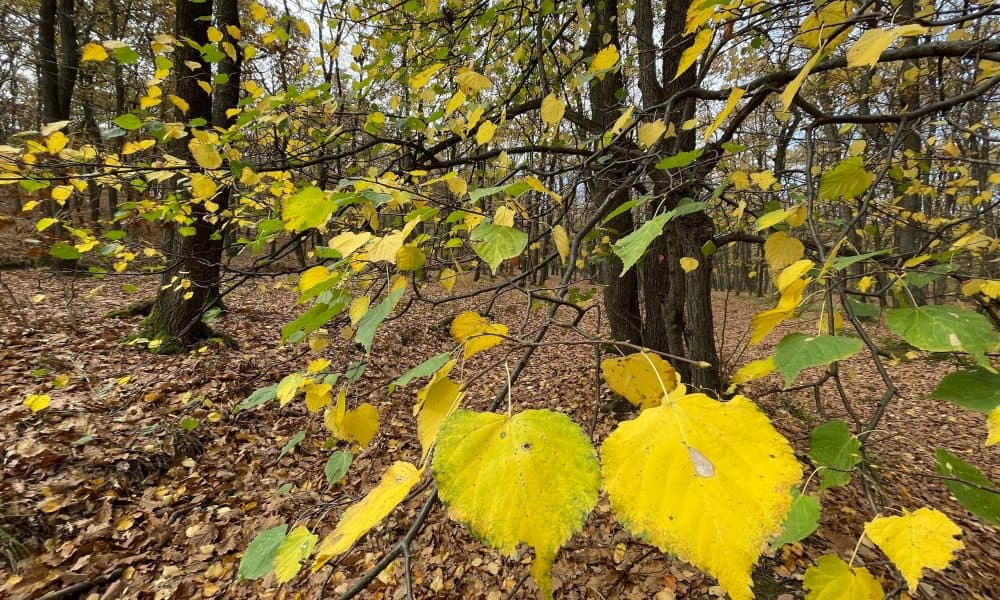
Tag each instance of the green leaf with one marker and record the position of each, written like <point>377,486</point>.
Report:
<point>802,519</point>
<point>681,159</point>
<point>260,396</point>
<point>128,122</point>
<point>476,195</point>
<point>428,367</point>
<point>64,251</point>
<point>497,243</point>
<point>835,451</point>
<point>337,466</point>
<point>125,55</point>
<point>369,323</point>
<point>289,556</point>
<point>258,560</point>
<point>631,247</point>
<point>975,390</point>
<point>291,444</point>
<point>842,262</point>
<point>848,179</point>
<point>799,351</point>
<point>945,329</point>
<point>980,502</point>
<point>317,316</point>
<point>308,208</point>
<point>864,309</point>
<point>531,478</point>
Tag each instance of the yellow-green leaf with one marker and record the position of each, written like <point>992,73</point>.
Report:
<point>704,480</point>
<point>793,86</point>
<point>202,186</point>
<point>312,277</point>
<point>396,483</point>
<point>423,78</point>
<point>781,250</point>
<point>358,425</point>
<point>531,478</point>
<point>476,333</point>
<point>833,579</point>
<point>918,540</point>
<point>650,133</point>
<point>866,51</point>
<point>643,378</point>
<point>701,41</point>
<point>359,306</point>
<point>438,399</point>
<point>296,548</point>
<point>553,109</point>
<point>471,82</point>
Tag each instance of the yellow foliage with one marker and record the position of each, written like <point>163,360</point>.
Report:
<point>643,378</point>
<point>553,109</point>
<point>701,41</point>
<point>924,538</point>
<point>438,399</point>
<point>781,250</point>
<point>833,579</point>
<point>604,60</point>
<point>704,480</point>
<point>993,426</point>
<point>358,425</point>
<point>476,333</point>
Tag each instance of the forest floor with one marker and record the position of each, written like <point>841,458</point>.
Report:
<point>112,496</point>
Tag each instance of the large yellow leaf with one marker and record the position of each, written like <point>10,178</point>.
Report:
<point>793,86</point>
<point>531,478</point>
<point>604,60</point>
<point>386,248</point>
<point>296,548</point>
<point>650,133</point>
<point>358,425</point>
<point>553,109</point>
<point>312,277</point>
<point>781,250</point>
<point>833,579</point>
<point>701,41</point>
<point>348,242</point>
<point>866,51</point>
<point>317,395</point>
<point>704,480</point>
<point>643,378</point>
<point>487,129</point>
<point>731,102</point>
<point>423,78</point>
<point>438,399</point>
<point>924,538</point>
<point>561,240</point>
<point>93,52</point>
<point>471,82</point>
<point>396,483</point>
<point>476,333</point>
<point>205,154</point>
<point>993,426</point>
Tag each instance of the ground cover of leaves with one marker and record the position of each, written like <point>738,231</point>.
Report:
<point>110,494</point>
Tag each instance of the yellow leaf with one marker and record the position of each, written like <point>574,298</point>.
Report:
<point>296,548</point>
<point>457,185</point>
<point>139,146</point>
<point>358,308</point>
<point>93,52</point>
<point>385,248</point>
<point>731,102</point>
<point>317,395</point>
<point>61,192</point>
<point>688,264</point>
<point>56,142</point>
<point>797,215</point>
<point>396,483</point>
<point>561,240</point>
<point>348,242</point>
<point>604,60</point>
<point>676,475</point>
<point>214,34</point>
<point>553,109</point>
<point>504,216</point>
<point>205,154</point>
<point>312,277</point>
<point>866,51</point>
<point>287,388</point>
<point>358,425</point>
<point>410,258</point>
<point>318,342</point>
<point>781,250</point>
<point>701,41</point>
<point>45,223</point>
<point>865,283</point>
<point>622,121</point>
<point>37,402</point>
<point>202,186</point>
<point>791,287</point>
<point>180,103</point>
<point>923,539</point>
<point>317,365</point>
<point>438,399</point>
<point>765,180</point>
<point>454,102</point>
<point>423,78</point>
<point>793,86</point>
<point>833,579</point>
<point>993,427</point>
<point>650,133</point>
<point>643,378</point>
<point>476,333</point>
<point>532,478</point>
<point>471,82</point>
<point>487,129</point>
<point>754,370</point>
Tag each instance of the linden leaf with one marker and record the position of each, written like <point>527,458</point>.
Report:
<point>205,154</point>
<point>258,559</point>
<point>531,478</point>
<point>553,109</point>
<point>471,82</point>
<point>358,425</point>
<point>424,77</point>
<point>396,483</point>
<point>643,378</point>
<point>753,370</point>
<point>317,395</point>
<point>945,329</point>
<point>833,579</point>
<point>487,129</point>
<point>312,277</point>
<point>993,425</point>
<point>604,60</point>
<point>848,179</point>
<point>781,250</point>
<point>866,51</point>
<point>561,240</point>
<point>802,520</point>
<point>93,52</point>
<point>971,488</point>
<point>650,133</point>
<point>495,243</point>
<point>676,474</point>
<point>922,539</point>
<point>731,102</point>
<point>835,451</point>
<point>688,264</point>
<point>701,41</point>
<point>410,258</point>
<point>298,545</point>
<point>308,208</point>
<point>476,333</point>
<point>37,402</point>
<point>799,351</point>
<point>438,399</point>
